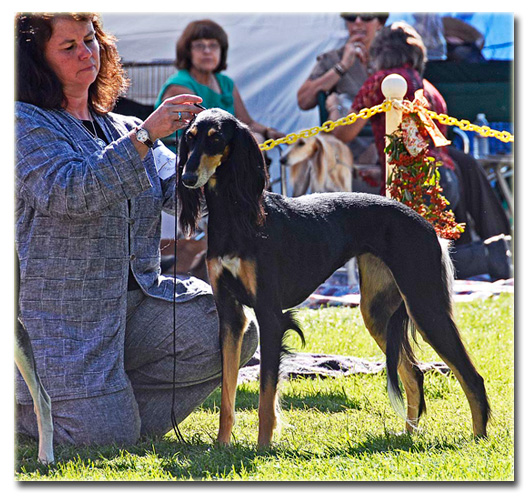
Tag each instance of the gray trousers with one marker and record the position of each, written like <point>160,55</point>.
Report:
<point>144,407</point>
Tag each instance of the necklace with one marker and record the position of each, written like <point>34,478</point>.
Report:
<point>99,141</point>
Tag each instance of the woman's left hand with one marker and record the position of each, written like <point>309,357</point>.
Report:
<point>272,133</point>
<point>173,114</point>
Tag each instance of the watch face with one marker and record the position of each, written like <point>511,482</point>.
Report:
<point>142,135</point>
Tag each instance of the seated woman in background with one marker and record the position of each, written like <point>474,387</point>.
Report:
<point>399,49</point>
<point>201,55</point>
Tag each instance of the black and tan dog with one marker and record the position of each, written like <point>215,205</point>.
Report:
<point>269,252</point>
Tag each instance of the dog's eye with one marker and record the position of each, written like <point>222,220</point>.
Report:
<point>300,143</point>
<point>216,136</point>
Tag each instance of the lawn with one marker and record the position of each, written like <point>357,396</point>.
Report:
<point>335,428</point>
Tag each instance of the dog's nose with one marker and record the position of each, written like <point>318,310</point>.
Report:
<point>283,160</point>
<point>189,179</point>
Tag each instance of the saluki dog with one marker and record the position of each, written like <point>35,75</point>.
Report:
<point>25,361</point>
<point>269,252</point>
<point>323,163</point>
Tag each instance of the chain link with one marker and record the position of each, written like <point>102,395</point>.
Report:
<point>367,113</point>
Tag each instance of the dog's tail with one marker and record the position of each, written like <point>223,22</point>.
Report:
<point>289,322</point>
<point>397,345</point>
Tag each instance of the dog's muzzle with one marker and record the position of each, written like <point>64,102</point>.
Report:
<point>189,180</point>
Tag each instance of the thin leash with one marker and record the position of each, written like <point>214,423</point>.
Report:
<point>173,418</point>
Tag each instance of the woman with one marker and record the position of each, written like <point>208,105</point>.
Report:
<point>396,49</point>
<point>344,71</point>
<point>201,55</point>
<point>88,210</point>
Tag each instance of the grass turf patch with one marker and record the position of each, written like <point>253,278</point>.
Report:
<point>332,428</point>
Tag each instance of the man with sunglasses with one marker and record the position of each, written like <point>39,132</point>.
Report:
<point>344,71</point>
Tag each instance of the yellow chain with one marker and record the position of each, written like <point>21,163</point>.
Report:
<point>328,126</point>
<point>366,113</point>
<point>465,125</point>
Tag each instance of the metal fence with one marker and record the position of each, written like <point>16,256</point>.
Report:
<point>146,79</point>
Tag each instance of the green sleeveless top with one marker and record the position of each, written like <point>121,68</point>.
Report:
<point>224,100</point>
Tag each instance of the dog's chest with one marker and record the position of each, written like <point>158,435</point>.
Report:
<point>232,263</point>
<point>242,271</point>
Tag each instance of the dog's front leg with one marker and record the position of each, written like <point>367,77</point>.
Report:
<point>271,335</point>
<point>233,324</point>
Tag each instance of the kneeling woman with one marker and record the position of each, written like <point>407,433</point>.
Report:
<point>88,221</point>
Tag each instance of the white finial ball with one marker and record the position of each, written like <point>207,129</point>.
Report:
<point>394,86</point>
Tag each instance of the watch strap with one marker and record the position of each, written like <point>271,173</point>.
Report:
<point>147,141</point>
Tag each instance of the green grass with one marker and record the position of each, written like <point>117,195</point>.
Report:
<point>333,429</point>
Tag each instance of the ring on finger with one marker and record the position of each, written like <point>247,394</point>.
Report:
<point>179,116</point>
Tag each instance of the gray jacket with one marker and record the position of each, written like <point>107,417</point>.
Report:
<point>85,215</point>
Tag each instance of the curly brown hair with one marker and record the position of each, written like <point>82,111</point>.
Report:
<point>196,30</point>
<point>397,45</point>
<point>36,83</point>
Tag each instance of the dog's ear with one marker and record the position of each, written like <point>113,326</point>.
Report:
<point>246,174</point>
<point>190,200</point>
<point>325,160</point>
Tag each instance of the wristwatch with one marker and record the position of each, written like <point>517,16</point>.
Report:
<point>143,136</point>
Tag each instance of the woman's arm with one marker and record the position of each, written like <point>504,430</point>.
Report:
<point>307,95</point>
<point>174,90</point>
<point>242,114</point>
<point>345,133</point>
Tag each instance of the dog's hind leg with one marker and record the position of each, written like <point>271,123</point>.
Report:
<point>41,401</point>
<point>431,311</point>
<point>382,308</point>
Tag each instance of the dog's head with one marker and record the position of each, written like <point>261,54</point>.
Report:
<point>205,145</point>
<point>220,153</point>
<point>301,150</point>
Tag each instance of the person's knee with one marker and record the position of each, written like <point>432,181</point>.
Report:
<point>103,420</point>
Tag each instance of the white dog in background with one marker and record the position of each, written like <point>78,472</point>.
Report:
<point>322,163</point>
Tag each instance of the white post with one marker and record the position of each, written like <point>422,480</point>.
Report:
<point>394,86</point>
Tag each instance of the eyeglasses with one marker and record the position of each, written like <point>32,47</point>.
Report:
<point>363,17</point>
<point>202,47</point>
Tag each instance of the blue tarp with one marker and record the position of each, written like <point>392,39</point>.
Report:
<point>496,27</point>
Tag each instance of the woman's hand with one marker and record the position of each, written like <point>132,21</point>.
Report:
<point>352,51</point>
<point>332,102</point>
<point>173,114</point>
<point>272,133</point>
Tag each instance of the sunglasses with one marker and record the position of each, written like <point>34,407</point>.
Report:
<point>363,17</point>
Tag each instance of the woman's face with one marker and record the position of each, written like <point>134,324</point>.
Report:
<point>363,31</point>
<point>206,53</point>
<point>73,53</point>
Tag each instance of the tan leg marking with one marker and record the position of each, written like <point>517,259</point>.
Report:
<point>267,414</point>
<point>231,359</point>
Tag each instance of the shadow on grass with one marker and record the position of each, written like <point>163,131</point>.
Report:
<point>203,460</point>
<point>327,400</point>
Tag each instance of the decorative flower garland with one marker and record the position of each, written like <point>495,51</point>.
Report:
<point>414,177</point>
